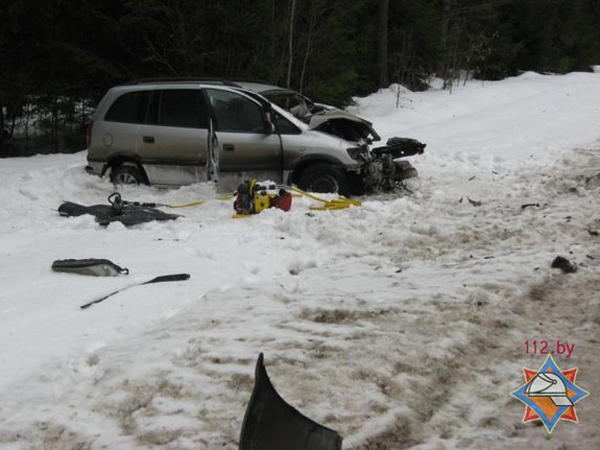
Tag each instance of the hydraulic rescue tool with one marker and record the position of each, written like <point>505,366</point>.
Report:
<point>252,198</point>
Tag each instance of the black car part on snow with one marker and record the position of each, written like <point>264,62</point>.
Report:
<point>272,424</point>
<point>118,211</point>
<point>90,266</point>
<point>564,264</point>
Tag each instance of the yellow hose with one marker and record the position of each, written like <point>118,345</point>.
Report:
<point>328,205</point>
<point>187,205</point>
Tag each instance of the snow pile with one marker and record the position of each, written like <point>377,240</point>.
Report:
<point>499,124</point>
<point>400,324</point>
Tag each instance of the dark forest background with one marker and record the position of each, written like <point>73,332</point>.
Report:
<point>58,57</point>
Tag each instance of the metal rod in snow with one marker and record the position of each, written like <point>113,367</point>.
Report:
<point>212,169</point>
<point>161,279</point>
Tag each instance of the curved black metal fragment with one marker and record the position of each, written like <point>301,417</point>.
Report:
<point>270,423</point>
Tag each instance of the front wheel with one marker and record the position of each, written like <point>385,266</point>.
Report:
<point>323,177</point>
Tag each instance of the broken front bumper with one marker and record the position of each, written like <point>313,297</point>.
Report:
<point>381,169</point>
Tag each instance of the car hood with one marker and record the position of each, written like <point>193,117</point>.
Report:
<point>320,121</point>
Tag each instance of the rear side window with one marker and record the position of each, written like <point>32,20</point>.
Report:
<point>236,113</point>
<point>128,108</point>
<point>182,108</point>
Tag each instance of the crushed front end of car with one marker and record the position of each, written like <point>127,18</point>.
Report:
<point>377,168</point>
<point>380,167</point>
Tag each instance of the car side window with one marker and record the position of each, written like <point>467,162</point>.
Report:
<point>182,108</point>
<point>128,108</point>
<point>235,112</point>
<point>284,126</point>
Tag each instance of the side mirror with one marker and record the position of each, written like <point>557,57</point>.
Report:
<point>269,127</point>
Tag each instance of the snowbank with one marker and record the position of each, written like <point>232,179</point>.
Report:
<point>496,124</point>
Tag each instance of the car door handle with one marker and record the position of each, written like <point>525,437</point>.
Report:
<point>149,139</point>
<point>228,147</point>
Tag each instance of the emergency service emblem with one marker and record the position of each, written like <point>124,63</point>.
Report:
<point>550,394</point>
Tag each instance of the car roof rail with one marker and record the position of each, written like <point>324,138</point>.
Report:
<point>183,80</point>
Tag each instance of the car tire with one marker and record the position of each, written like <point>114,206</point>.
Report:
<point>323,177</point>
<point>127,175</point>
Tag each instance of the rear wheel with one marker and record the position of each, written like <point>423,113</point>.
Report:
<point>127,175</point>
<point>323,177</point>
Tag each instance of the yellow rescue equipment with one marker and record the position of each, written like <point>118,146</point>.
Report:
<point>253,198</point>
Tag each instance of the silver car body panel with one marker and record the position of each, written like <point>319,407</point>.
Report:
<point>185,148</point>
<point>312,144</point>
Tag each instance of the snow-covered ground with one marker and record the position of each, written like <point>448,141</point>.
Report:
<point>401,323</point>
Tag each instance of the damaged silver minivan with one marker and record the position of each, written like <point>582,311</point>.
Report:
<point>178,132</point>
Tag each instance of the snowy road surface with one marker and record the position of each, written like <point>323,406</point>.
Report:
<point>401,324</point>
